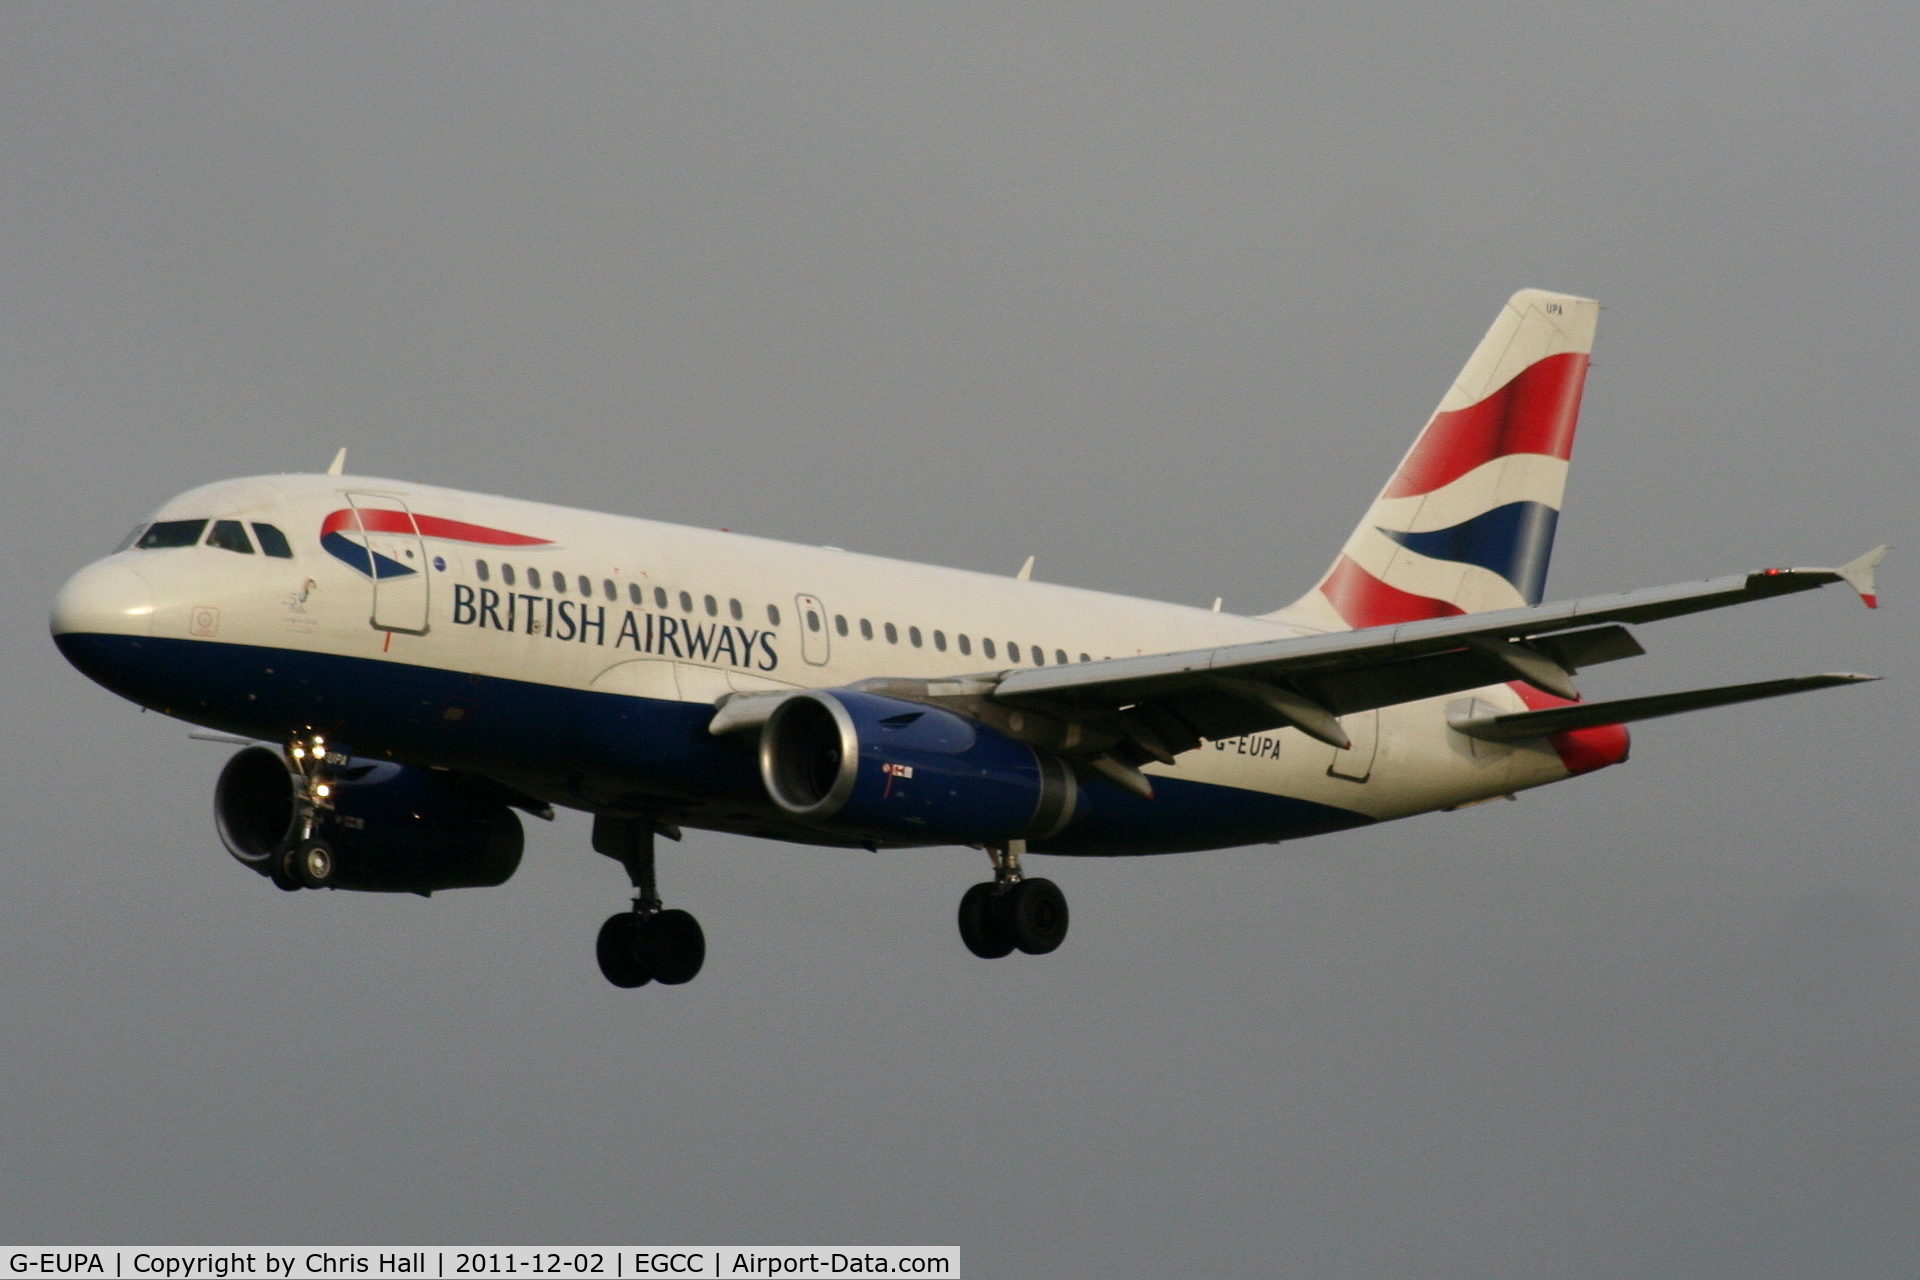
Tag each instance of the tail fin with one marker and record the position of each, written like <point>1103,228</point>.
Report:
<point>1466,523</point>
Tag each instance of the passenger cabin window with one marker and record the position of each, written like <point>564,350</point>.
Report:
<point>893,637</point>
<point>659,597</point>
<point>773,614</point>
<point>171,533</point>
<point>866,629</point>
<point>273,542</point>
<point>480,568</point>
<point>940,641</point>
<point>1013,652</point>
<point>733,607</point>
<point>686,602</point>
<point>966,645</point>
<point>606,589</point>
<point>1060,656</point>
<point>230,535</point>
<point>1085,658</point>
<point>533,580</point>
<point>986,646</point>
<point>506,574</point>
<point>913,635</point>
<point>713,607</point>
<point>1039,656</point>
<point>633,593</point>
<point>840,623</point>
<point>586,586</point>
<point>813,620</point>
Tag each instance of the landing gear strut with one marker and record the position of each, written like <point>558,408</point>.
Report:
<point>646,944</point>
<point>307,862</point>
<point>1012,912</point>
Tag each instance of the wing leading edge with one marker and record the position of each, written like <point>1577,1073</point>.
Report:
<point>1123,712</point>
<point>1156,706</point>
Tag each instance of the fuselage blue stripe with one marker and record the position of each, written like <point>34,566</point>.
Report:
<point>592,749</point>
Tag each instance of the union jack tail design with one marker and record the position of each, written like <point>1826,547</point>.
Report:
<point>1466,523</point>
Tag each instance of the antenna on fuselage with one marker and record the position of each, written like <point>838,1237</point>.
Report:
<point>1026,571</point>
<point>339,462</point>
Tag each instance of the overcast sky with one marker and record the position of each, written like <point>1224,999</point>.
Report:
<point>1157,295</point>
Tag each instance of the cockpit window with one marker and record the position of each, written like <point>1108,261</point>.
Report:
<point>273,542</point>
<point>171,533</point>
<point>130,539</point>
<point>230,535</point>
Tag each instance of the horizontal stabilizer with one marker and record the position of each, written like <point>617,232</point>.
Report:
<point>1586,715</point>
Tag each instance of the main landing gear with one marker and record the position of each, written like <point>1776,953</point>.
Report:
<point>1011,912</point>
<point>645,944</point>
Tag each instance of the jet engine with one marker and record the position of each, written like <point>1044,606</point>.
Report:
<point>392,828</point>
<point>868,765</point>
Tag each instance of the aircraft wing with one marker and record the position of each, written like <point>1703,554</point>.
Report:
<point>1159,705</point>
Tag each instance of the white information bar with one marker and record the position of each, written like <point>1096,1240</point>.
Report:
<point>523,1262</point>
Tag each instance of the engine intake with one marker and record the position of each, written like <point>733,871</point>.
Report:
<point>870,764</point>
<point>393,828</point>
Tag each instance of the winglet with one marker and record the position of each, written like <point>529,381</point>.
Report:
<point>339,462</point>
<point>1858,574</point>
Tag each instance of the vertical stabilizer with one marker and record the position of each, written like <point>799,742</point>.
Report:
<point>1466,522</point>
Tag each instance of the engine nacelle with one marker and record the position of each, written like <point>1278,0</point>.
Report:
<point>393,828</point>
<point>866,764</point>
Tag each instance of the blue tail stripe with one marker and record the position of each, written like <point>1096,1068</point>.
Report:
<point>1514,541</point>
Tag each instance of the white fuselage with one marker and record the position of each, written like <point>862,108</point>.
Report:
<point>681,615</point>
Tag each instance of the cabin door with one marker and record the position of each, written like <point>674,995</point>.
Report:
<point>397,562</point>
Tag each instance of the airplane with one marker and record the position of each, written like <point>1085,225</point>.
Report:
<point>407,666</point>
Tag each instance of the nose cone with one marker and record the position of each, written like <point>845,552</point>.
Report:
<point>107,599</point>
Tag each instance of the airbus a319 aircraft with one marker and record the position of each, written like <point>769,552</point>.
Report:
<point>414,664</point>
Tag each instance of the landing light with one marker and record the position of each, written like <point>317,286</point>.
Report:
<point>299,753</point>
<point>323,790</point>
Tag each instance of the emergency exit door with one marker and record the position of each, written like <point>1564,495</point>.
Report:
<point>815,644</point>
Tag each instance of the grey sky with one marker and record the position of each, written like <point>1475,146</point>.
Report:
<point>1159,295</point>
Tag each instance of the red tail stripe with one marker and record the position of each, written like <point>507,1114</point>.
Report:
<point>1365,601</point>
<point>378,521</point>
<point>1535,413</point>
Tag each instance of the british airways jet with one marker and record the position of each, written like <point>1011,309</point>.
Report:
<point>414,664</point>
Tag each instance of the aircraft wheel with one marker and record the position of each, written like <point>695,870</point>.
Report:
<point>314,865</point>
<point>1037,912</point>
<point>621,950</point>
<point>984,926</point>
<point>677,946</point>
<point>280,869</point>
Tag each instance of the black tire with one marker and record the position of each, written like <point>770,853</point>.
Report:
<point>983,922</point>
<point>315,866</point>
<point>677,946</point>
<point>280,869</point>
<point>621,950</point>
<point>1038,916</point>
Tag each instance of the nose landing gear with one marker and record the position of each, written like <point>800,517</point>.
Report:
<point>646,944</point>
<point>307,862</point>
<point>1011,912</point>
